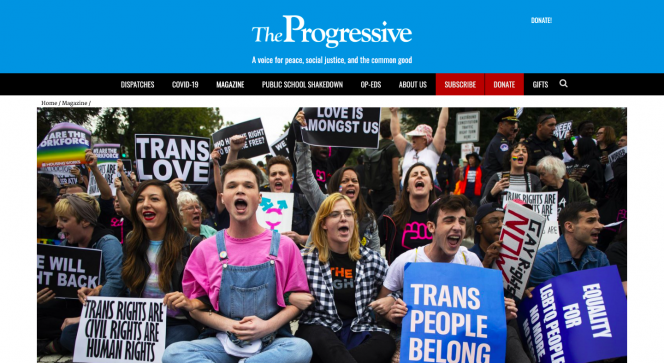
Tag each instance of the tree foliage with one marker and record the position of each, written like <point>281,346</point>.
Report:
<point>47,117</point>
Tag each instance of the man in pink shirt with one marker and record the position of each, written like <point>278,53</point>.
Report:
<point>237,283</point>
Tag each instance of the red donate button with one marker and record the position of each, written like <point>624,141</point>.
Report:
<point>460,84</point>
<point>504,84</point>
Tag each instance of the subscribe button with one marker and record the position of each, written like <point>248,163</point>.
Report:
<point>459,84</point>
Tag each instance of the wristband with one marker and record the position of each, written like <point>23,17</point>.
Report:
<point>286,296</point>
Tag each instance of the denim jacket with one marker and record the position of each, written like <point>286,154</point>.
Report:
<point>556,259</point>
<point>368,229</point>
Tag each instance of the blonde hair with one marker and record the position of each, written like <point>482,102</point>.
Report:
<point>319,235</point>
<point>63,206</point>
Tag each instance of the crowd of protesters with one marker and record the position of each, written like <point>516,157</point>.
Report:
<point>340,270</point>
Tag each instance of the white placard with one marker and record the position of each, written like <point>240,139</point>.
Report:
<point>467,127</point>
<point>276,211</point>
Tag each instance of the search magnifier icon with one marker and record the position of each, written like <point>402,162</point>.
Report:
<point>563,83</point>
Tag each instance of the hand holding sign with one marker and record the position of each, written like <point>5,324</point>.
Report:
<point>510,309</point>
<point>84,292</point>
<point>75,171</point>
<point>176,185</point>
<point>45,295</point>
<point>91,158</point>
<point>300,118</point>
<point>492,253</point>
<point>215,154</point>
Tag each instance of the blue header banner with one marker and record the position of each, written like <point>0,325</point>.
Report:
<point>576,317</point>
<point>456,313</point>
<point>344,37</point>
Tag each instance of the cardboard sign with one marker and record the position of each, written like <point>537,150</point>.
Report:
<point>355,127</point>
<point>521,233</point>
<point>107,162</point>
<point>64,145</point>
<point>255,144</point>
<point>576,317</point>
<point>64,270</point>
<point>280,147</point>
<point>562,129</point>
<point>608,171</point>
<point>166,157</point>
<point>544,203</point>
<point>467,127</point>
<point>456,313</point>
<point>121,330</point>
<point>467,148</point>
<point>276,211</point>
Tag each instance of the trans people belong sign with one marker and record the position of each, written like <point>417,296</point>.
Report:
<point>456,313</point>
<point>576,317</point>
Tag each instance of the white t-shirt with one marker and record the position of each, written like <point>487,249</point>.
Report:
<point>394,279</point>
<point>428,156</point>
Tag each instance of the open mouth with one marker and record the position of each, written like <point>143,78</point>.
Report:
<point>241,205</point>
<point>344,230</point>
<point>196,219</point>
<point>350,193</point>
<point>454,241</point>
<point>148,216</point>
<point>278,185</point>
<point>419,184</point>
<point>595,236</point>
<point>520,160</point>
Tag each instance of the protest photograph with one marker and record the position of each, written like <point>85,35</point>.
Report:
<point>332,234</point>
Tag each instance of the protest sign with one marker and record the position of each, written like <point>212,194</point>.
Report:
<point>521,233</point>
<point>467,148</point>
<point>114,329</point>
<point>64,145</point>
<point>107,162</point>
<point>280,147</point>
<point>64,270</point>
<point>477,149</point>
<point>608,171</point>
<point>276,211</point>
<point>467,127</point>
<point>456,313</point>
<point>544,203</point>
<point>252,130</point>
<point>63,173</point>
<point>126,163</point>
<point>562,129</point>
<point>577,317</point>
<point>342,126</point>
<point>166,157</point>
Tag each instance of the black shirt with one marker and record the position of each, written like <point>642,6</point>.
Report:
<point>563,194</point>
<point>445,173</point>
<point>343,271</point>
<point>414,234</point>
<point>540,149</point>
<point>48,235</point>
<point>493,158</point>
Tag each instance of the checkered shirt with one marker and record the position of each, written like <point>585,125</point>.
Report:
<point>371,271</point>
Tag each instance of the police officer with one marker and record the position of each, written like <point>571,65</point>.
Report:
<point>543,142</point>
<point>493,157</point>
<point>445,174</point>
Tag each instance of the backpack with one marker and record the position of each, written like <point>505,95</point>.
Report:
<point>378,169</point>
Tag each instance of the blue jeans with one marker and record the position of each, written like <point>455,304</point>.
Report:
<point>293,350</point>
<point>178,331</point>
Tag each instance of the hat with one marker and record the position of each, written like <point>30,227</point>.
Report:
<point>511,114</point>
<point>422,130</point>
<point>482,212</point>
<point>477,157</point>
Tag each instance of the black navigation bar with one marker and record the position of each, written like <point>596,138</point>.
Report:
<point>366,84</point>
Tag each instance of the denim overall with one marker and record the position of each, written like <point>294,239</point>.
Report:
<point>250,290</point>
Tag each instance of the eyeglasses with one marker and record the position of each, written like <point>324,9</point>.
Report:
<point>493,221</point>
<point>347,213</point>
<point>600,133</point>
<point>191,209</point>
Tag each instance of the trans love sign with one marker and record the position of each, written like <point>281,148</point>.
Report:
<point>252,130</point>
<point>355,127</point>
<point>276,211</point>
<point>577,317</point>
<point>456,313</point>
<point>521,233</point>
<point>107,162</point>
<point>114,329</point>
<point>64,270</point>
<point>166,157</point>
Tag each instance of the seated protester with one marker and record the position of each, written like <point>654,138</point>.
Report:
<point>617,254</point>
<point>344,279</point>
<point>47,221</point>
<point>155,254</point>
<point>346,182</point>
<point>575,249</point>
<point>224,274</point>
<point>121,223</point>
<point>280,171</point>
<point>402,227</point>
<point>515,161</point>
<point>424,147</point>
<point>446,223</point>
<point>77,218</point>
<point>488,225</point>
<point>585,168</point>
<point>551,171</point>
<point>324,160</point>
<point>191,213</point>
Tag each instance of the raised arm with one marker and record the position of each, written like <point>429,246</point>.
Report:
<point>439,137</point>
<point>395,128</point>
<point>104,188</point>
<point>237,143</point>
<point>125,179</point>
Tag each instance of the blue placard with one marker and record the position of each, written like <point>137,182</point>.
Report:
<point>456,313</point>
<point>576,317</point>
